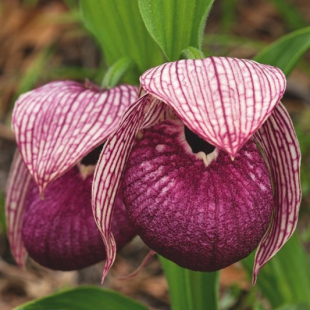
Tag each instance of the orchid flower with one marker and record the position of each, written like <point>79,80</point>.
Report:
<point>208,163</point>
<point>60,128</point>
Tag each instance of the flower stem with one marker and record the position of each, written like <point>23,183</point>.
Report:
<point>191,290</point>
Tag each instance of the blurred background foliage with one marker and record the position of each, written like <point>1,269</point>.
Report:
<point>45,40</point>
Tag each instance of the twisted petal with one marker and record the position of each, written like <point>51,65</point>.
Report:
<point>16,192</point>
<point>223,100</point>
<point>280,145</point>
<point>143,113</point>
<point>59,123</point>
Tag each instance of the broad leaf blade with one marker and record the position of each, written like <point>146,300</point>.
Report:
<point>285,279</point>
<point>116,72</point>
<point>34,71</point>
<point>175,24</point>
<point>192,53</point>
<point>191,290</point>
<point>83,298</point>
<point>285,52</point>
<point>119,28</point>
<point>295,307</point>
<point>290,14</point>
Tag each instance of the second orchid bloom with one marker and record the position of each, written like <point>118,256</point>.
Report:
<point>206,160</point>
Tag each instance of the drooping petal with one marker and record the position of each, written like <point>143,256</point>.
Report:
<point>223,100</point>
<point>60,233</point>
<point>279,142</point>
<point>142,113</point>
<point>59,123</point>
<point>16,191</point>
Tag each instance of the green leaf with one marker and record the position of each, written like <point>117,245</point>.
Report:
<point>83,298</point>
<point>191,290</point>
<point>285,52</point>
<point>175,24</point>
<point>29,79</point>
<point>228,10</point>
<point>285,279</point>
<point>192,53</point>
<point>290,13</point>
<point>116,72</point>
<point>295,307</point>
<point>259,306</point>
<point>119,29</point>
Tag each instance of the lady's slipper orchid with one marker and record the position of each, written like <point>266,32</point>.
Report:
<point>208,163</point>
<point>48,207</point>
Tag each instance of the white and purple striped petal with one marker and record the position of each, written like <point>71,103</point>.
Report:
<point>280,145</point>
<point>16,192</point>
<point>223,100</point>
<point>59,123</point>
<point>143,113</point>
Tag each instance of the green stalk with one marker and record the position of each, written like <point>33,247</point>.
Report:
<point>191,290</point>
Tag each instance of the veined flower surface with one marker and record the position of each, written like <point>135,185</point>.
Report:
<point>204,210</point>
<point>195,213</point>
<point>48,205</point>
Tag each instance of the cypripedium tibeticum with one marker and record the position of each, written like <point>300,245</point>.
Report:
<point>208,163</point>
<point>59,129</point>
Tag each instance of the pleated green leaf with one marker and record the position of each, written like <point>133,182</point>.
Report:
<point>285,279</point>
<point>175,24</point>
<point>295,307</point>
<point>116,72</point>
<point>285,52</point>
<point>191,290</point>
<point>192,53</point>
<point>83,298</point>
<point>119,29</point>
<point>290,13</point>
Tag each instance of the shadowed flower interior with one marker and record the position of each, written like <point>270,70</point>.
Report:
<point>196,143</point>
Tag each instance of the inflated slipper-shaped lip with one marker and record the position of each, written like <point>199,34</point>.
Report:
<point>225,101</point>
